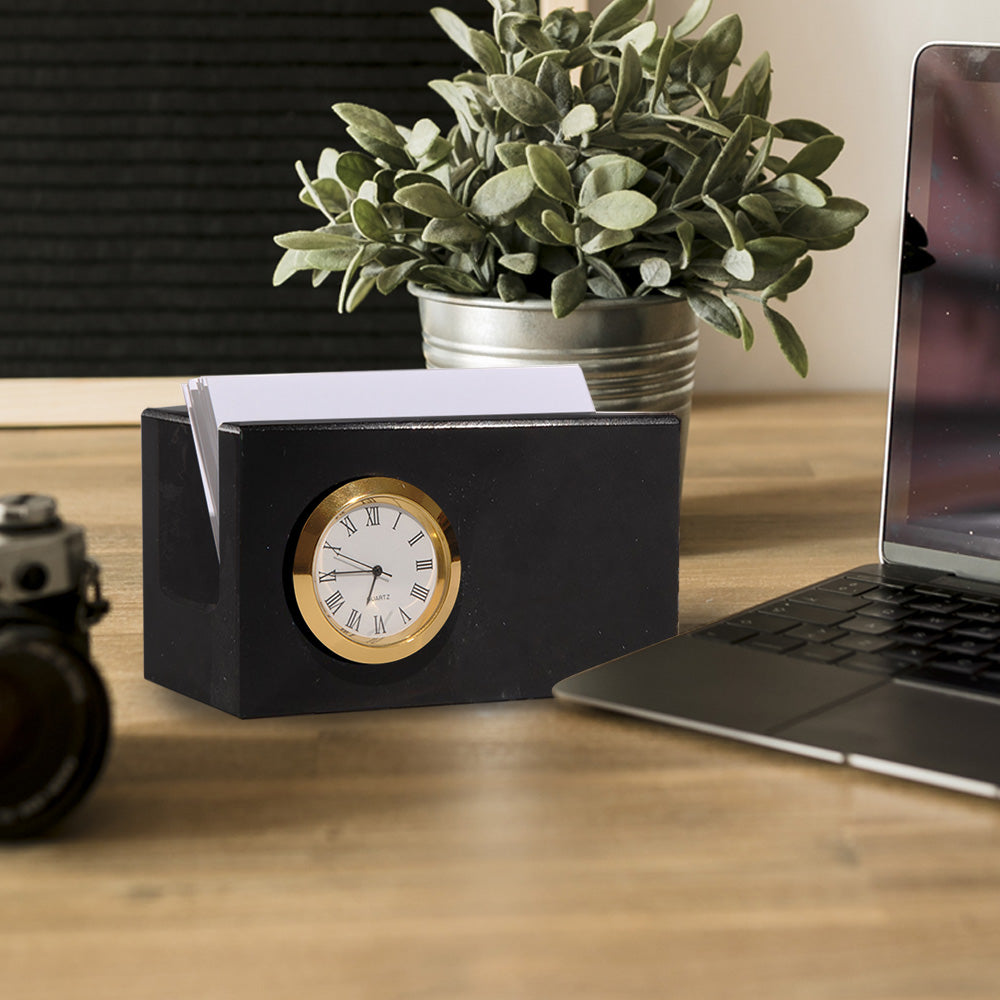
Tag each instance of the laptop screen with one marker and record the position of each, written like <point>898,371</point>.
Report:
<point>942,499</point>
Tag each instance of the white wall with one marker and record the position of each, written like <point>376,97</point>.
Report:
<point>845,63</point>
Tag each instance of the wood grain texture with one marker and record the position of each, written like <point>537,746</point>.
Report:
<point>520,850</point>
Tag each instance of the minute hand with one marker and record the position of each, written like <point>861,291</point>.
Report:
<point>358,562</point>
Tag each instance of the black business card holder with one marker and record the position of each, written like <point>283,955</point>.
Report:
<point>567,528</point>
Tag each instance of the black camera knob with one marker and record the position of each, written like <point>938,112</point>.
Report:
<point>26,512</point>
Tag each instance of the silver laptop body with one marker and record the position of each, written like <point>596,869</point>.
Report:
<point>892,667</point>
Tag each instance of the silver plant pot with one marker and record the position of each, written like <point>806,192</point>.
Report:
<point>636,354</point>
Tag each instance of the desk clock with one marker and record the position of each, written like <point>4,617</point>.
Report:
<point>391,563</point>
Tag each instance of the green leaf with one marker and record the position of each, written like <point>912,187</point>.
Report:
<point>359,292</point>
<point>715,51</point>
<point>728,220</point>
<point>451,278</point>
<point>714,312</point>
<point>368,221</point>
<point>558,227</point>
<point>315,239</point>
<point>610,173</point>
<point>314,195</point>
<point>739,263</point>
<point>460,233</point>
<point>621,210</point>
<point>422,138</point>
<point>504,193</point>
<point>629,82</point>
<point>790,282</point>
<point>429,200</point>
<point>685,233</point>
<point>604,281</point>
<point>695,14</point>
<point>456,100</point>
<point>553,80</point>
<point>395,157</point>
<point>579,121</point>
<point>389,279</point>
<point>813,159</point>
<point>371,122</point>
<point>353,169</point>
<point>522,263</point>
<point>522,100</point>
<point>289,262</point>
<point>529,221</point>
<point>789,341</point>
<point>746,330</point>
<point>656,272</point>
<point>732,157</point>
<point>801,130</point>
<point>662,70</point>
<point>510,288</point>
<point>838,215</point>
<point>803,189</point>
<point>513,154</point>
<point>550,174</point>
<point>333,259</point>
<point>760,208</point>
<point>330,193</point>
<point>776,251</point>
<point>476,44</point>
<point>614,16</point>
<point>605,239</point>
<point>569,289</point>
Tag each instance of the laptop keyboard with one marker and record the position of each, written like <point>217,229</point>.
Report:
<point>914,633</point>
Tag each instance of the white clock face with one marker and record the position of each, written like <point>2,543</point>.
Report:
<point>375,570</point>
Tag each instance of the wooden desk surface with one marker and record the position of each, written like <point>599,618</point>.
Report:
<point>520,850</point>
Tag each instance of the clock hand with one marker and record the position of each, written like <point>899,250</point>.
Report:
<point>358,562</point>
<point>377,571</point>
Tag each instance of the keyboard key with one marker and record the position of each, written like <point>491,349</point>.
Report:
<point>938,622</point>
<point>937,606</point>
<point>816,633</point>
<point>868,626</point>
<point>977,613</point>
<point>822,654</point>
<point>773,643</point>
<point>864,643</point>
<point>909,654</point>
<point>760,622</point>
<point>990,632</point>
<point>889,595</point>
<point>887,612</point>
<point>917,636</point>
<point>963,646</point>
<point>727,633</point>
<point>847,585</point>
<point>967,665</point>
<point>829,599</point>
<point>805,613</point>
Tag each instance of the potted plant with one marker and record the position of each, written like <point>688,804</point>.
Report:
<point>601,183</point>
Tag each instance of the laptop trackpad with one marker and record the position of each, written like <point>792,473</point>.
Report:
<point>709,682</point>
<point>947,734</point>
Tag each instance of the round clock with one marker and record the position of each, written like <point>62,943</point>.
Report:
<point>375,570</point>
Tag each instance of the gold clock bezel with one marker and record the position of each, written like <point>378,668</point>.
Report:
<point>427,513</point>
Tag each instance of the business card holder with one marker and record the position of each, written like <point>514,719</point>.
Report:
<point>566,528</point>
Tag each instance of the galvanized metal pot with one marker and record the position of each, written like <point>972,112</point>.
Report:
<point>636,354</point>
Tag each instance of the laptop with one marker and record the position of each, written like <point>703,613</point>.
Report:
<point>892,667</point>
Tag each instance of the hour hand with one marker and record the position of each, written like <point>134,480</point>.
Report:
<point>358,562</point>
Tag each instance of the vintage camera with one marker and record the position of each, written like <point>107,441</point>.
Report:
<point>54,717</point>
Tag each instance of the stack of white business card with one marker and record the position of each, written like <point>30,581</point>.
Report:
<point>215,400</point>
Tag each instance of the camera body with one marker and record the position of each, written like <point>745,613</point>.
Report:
<point>54,716</point>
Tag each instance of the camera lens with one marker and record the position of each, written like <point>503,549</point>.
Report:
<point>53,729</point>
